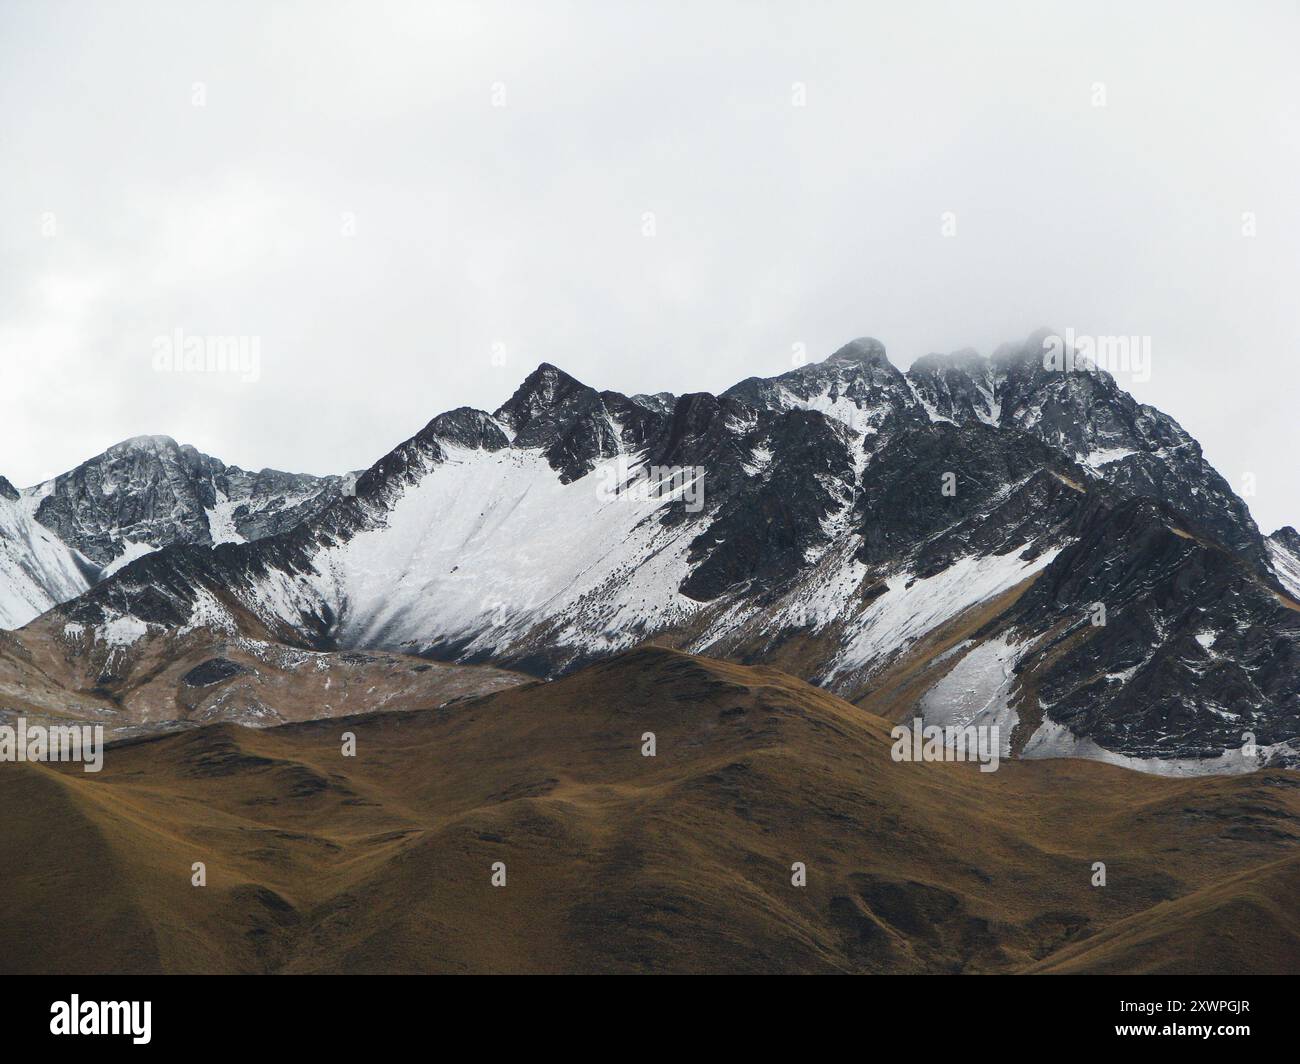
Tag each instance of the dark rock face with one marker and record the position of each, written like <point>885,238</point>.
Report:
<point>1087,416</point>
<point>463,427</point>
<point>7,490</point>
<point>769,511</point>
<point>574,425</point>
<point>1194,651</point>
<point>960,387</point>
<point>1082,413</point>
<point>926,485</point>
<point>151,490</point>
<point>540,402</point>
<point>212,671</point>
<point>274,501</point>
<point>659,403</point>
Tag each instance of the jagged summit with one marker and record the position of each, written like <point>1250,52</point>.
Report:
<point>147,440</point>
<point>863,349</point>
<point>1283,548</point>
<point>546,388</point>
<point>548,371</point>
<point>7,490</point>
<point>1288,537</point>
<point>1027,351</point>
<point>659,402</point>
<point>466,427</point>
<point>1085,415</point>
<point>149,491</point>
<point>151,443</point>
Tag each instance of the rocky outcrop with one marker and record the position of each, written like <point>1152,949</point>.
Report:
<point>151,492</point>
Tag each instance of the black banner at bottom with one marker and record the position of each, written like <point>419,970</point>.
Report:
<point>346,1013</point>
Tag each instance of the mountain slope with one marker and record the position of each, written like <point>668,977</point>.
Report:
<point>37,569</point>
<point>1284,556</point>
<point>617,862</point>
<point>138,680</point>
<point>1246,923</point>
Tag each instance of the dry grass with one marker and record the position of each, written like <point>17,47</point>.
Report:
<point>618,862</point>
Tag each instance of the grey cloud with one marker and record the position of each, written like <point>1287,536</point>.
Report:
<point>518,231</point>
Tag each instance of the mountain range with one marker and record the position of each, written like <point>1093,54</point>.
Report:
<point>976,540</point>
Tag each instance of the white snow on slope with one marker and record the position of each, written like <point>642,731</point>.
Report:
<point>865,420</point>
<point>992,414</point>
<point>1056,740</point>
<point>975,691</point>
<point>487,544</point>
<point>37,569</point>
<point>760,459</point>
<point>221,521</point>
<point>840,407</point>
<point>132,551</point>
<point>208,613</point>
<point>1104,456</point>
<point>122,631</point>
<point>1286,565</point>
<point>902,615</point>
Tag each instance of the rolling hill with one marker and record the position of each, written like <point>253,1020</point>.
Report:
<point>617,862</point>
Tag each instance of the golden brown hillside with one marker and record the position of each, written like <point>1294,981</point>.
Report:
<point>619,862</point>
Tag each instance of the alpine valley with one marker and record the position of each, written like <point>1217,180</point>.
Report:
<point>768,580</point>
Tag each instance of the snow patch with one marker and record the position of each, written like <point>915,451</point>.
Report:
<point>1104,456</point>
<point>1056,740</point>
<point>760,459</point>
<point>976,690</point>
<point>1286,566</point>
<point>131,551</point>
<point>221,521</point>
<point>122,631</point>
<point>904,614</point>
<point>208,613</point>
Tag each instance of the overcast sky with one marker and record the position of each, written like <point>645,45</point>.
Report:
<point>395,199</point>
